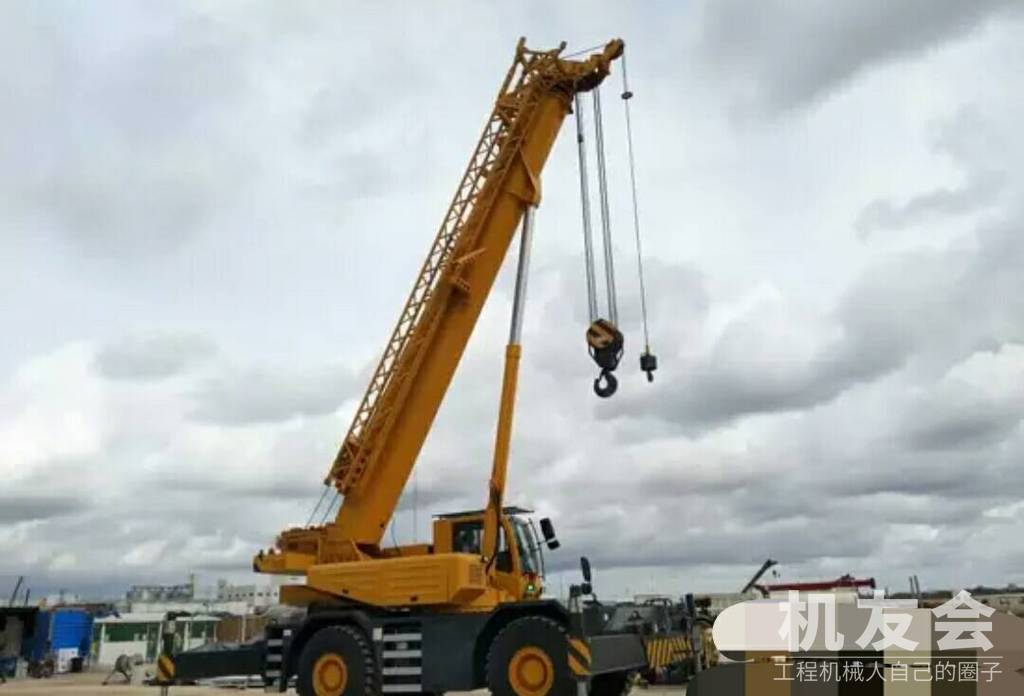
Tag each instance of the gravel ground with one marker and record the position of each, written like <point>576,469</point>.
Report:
<point>89,684</point>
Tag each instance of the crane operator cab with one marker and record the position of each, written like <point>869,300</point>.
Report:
<point>518,566</point>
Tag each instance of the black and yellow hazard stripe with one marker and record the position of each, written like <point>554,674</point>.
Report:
<point>165,669</point>
<point>579,658</point>
<point>662,651</point>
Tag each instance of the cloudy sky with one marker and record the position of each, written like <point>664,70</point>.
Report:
<point>211,214</point>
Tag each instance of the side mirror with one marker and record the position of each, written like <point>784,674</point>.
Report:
<point>585,568</point>
<point>548,531</point>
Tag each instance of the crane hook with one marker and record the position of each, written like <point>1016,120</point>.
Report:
<point>606,384</point>
<point>605,344</point>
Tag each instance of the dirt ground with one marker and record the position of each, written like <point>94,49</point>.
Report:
<point>89,684</point>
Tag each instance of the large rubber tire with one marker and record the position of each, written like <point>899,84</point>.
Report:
<point>346,645</point>
<point>616,684</point>
<point>538,646</point>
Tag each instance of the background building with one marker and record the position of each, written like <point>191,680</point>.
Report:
<point>139,634</point>
<point>253,596</point>
<point>223,597</point>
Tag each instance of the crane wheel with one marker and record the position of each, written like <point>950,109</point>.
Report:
<point>337,661</point>
<point>529,657</point>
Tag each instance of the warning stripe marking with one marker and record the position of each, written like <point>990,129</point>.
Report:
<point>165,668</point>
<point>580,647</point>
<point>577,668</point>
<point>579,657</point>
<point>665,651</point>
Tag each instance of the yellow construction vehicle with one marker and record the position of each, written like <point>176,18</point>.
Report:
<point>465,610</point>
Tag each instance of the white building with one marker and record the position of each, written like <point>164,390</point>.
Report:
<point>141,634</point>
<point>254,596</point>
<point>717,602</point>
<point>224,598</point>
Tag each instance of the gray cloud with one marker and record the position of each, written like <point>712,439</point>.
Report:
<point>152,356</point>
<point>885,214</point>
<point>247,179</point>
<point>640,545</point>
<point>754,369</point>
<point>162,89</point>
<point>262,395</point>
<point>718,393</point>
<point>27,506</point>
<point>940,304</point>
<point>787,54</point>
<point>975,145</point>
<point>279,487</point>
<point>963,426</point>
<point>935,306</point>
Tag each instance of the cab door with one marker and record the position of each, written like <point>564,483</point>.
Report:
<point>507,570</point>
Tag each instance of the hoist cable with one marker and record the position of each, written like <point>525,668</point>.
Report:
<point>318,504</point>
<point>582,51</point>
<point>330,508</point>
<point>606,227</point>
<point>588,236</point>
<point>626,96</point>
<point>394,539</point>
<point>415,505</point>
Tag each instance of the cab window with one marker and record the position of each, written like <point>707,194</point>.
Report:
<point>503,562</point>
<point>467,537</point>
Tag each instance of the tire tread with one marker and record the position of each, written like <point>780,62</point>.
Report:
<point>539,621</point>
<point>371,677</point>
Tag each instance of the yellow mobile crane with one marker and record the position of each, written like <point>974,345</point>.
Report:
<point>499,190</point>
<point>465,610</point>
